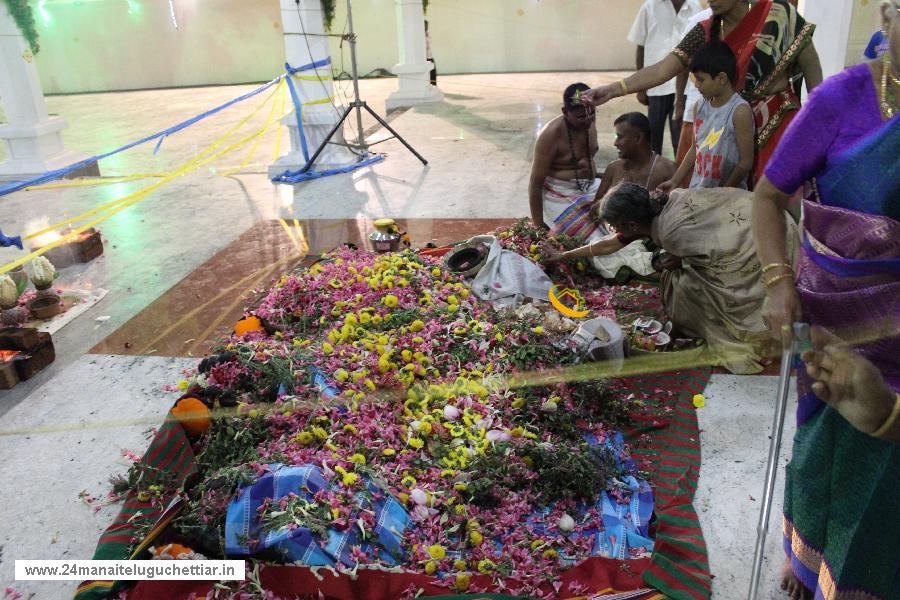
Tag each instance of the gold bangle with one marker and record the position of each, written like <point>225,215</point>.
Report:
<point>890,420</point>
<point>624,87</point>
<point>768,282</point>
<point>775,265</point>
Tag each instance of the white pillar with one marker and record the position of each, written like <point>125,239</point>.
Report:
<point>33,138</point>
<point>832,20</point>
<point>413,69</point>
<point>318,119</point>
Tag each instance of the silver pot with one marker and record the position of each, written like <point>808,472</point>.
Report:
<point>386,237</point>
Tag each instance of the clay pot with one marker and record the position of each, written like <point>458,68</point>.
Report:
<point>45,307</point>
<point>10,317</point>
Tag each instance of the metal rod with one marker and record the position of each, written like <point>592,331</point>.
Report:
<point>800,338</point>
<point>324,143</point>
<point>361,140</point>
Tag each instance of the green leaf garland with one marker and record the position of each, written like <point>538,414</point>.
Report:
<point>328,13</point>
<point>24,18</point>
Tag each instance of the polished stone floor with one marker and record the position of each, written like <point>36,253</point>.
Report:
<point>180,264</point>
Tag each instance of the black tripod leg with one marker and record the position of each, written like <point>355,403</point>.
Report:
<point>394,133</point>
<point>327,139</point>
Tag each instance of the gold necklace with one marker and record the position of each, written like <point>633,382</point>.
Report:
<point>888,100</point>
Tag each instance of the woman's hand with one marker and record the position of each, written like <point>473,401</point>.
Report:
<point>782,310</point>
<point>849,383</point>
<point>601,95</point>
<point>665,187</point>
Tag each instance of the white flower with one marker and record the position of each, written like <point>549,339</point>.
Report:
<point>451,413</point>
<point>549,406</point>
<point>566,523</point>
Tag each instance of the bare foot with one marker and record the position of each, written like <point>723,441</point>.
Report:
<point>792,585</point>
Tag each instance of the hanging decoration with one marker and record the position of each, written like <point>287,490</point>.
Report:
<point>21,13</point>
<point>328,13</point>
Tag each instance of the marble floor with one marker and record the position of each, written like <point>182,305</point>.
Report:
<point>180,264</point>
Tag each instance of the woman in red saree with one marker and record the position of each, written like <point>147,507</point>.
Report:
<point>773,45</point>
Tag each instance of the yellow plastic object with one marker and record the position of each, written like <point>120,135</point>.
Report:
<point>385,224</point>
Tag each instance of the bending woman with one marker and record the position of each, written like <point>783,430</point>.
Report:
<point>841,501</point>
<point>773,45</point>
<point>711,282</point>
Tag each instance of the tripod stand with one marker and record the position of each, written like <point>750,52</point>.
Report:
<point>358,105</point>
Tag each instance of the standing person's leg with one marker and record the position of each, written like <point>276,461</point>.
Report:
<point>433,72</point>
<point>674,128</point>
<point>656,112</point>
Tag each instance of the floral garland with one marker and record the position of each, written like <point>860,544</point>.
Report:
<point>21,13</point>
<point>328,13</point>
<point>418,368</point>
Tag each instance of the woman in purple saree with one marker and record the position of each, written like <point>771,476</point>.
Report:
<point>842,489</point>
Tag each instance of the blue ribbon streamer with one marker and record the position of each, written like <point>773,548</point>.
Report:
<point>301,175</point>
<point>295,98</point>
<point>59,173</point>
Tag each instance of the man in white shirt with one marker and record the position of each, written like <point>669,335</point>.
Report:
<point>656,31</point>
<point>687,101</point>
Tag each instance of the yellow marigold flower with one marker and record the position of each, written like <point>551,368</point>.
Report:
<point>349,479</point>
<point>416,326</point>
<point>460,486</point>
<point>416,443</point>
<point>350,428</point>
<point>388,452</point>
<point>535,544</point>
<point>538,330</point>
<point>425,428</point>
<point>452,299</point>
<point>183,385</point>
<point>464,293</point>
<point>365,318</point>
<point>377,320</point>
<point>403,497</point>
<point>549,553</point>
<point>370,385</point>
<point>358,459</point>
<point>351,320</point>
<point>335,513</point>
<point>462,582</point>
<point>485,566</point>
<point>516,431</point>
<point>476,538</point>
<point>459,564</point>
<point>430,567</point>
<point>341,375</point>
<point>406,355</point>
<point>327,348</point>
<point>452,308</point>
<point>319,432</point>
<point>699,401</point>
<point>498,336</point>
<point>435,272</point>
<point>418,340</point>
<point>304,437</point>
<point>448,473</point>
<point>408,480</point>
<point>437,552</point>
<point>390,301</point>
<point>460,509</point>
<point>530,435</point>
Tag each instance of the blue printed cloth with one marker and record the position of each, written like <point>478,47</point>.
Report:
<point>625,529</point>
<point>299,545</point>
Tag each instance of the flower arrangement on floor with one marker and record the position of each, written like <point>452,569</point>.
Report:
<point>388,377</point>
